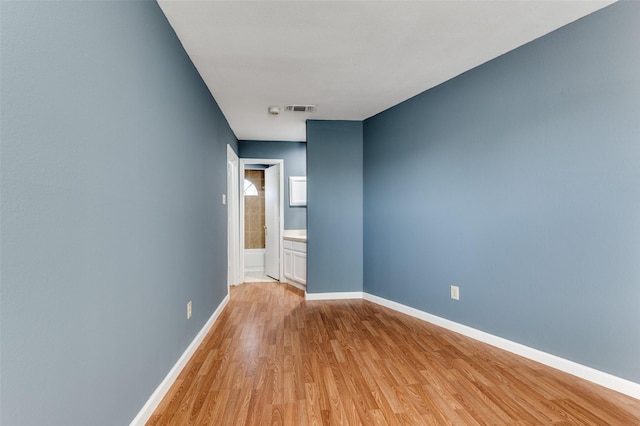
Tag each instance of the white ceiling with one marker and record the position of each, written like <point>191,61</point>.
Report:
<point>353,59</point>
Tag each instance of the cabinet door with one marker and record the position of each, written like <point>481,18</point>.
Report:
<point>300,267</point>
<point>288,264</point>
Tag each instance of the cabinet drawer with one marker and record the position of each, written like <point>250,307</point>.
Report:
<point>288,244</point>
<point>298,246</point>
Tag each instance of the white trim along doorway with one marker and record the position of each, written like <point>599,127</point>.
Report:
<point>233,219</point>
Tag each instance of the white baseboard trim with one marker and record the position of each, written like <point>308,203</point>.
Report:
<point>607,380</point>
<point>333,296</point>
<point>156,397</point>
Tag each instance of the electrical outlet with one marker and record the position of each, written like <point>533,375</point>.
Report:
<point>455,292</point>
<point>189,310</point>
<point>224,198</point>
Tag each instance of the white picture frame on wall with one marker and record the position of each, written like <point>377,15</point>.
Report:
<point>297,190</point>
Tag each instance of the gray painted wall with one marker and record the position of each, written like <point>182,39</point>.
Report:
<point>334,200</point>
<point>113,160</point>
<point>294,155</point>
<point>519,181</point>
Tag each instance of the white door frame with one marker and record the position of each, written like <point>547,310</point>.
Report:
<point>270,162</point>
<point>233,218</point>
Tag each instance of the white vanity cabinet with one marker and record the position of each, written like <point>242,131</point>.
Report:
<point>295,261</point>
<point>288,261</point>
<point>300,266</point>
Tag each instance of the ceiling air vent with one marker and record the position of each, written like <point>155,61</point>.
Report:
<point>300,108</point>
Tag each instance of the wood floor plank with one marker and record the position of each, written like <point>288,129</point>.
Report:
<point>273,358</point>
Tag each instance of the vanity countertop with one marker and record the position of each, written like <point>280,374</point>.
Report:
<point>299,235</point>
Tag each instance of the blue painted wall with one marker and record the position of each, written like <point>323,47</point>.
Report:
<point>334,201</point>
<point>519,181</point>
<point>113,158</point>
<point>294,155</point>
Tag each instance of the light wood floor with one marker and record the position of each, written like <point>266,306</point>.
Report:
<point>273,358</point>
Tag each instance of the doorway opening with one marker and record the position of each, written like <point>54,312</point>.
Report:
<point>261,219</point>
